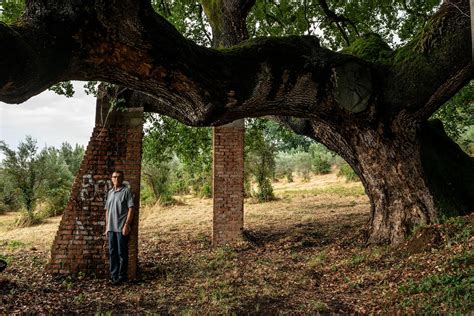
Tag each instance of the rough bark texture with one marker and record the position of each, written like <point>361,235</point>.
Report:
<point>371,113</point>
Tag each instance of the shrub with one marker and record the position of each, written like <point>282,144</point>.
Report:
<point>26,219</point>
<point>265,191</point>
<point>56,202</point>
<point>9,196</point>
<point>260,159</point>
<point>156,176</point>
<point>284,166</point>
<point>466,141</point>
<point>321,157</point>
<point>303,164</point>
<point>346,171</point>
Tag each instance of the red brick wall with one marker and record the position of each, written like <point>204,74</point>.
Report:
<point>228,183</point>
<point>80,244</point>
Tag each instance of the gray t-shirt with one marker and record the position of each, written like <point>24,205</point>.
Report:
<point>118,203</point>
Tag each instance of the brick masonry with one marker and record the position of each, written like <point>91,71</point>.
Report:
<point>228,183</point>
<point>116,143</point>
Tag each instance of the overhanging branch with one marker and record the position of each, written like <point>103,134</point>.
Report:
<point>127,43</point>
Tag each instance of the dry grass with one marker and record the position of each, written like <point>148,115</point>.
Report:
<point>298,202</point>
<point>304,254</point>
<point>39,236</point>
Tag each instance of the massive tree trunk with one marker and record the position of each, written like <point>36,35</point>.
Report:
<point>412,175</point>
<point>412,181</point>
<point>372,112</point>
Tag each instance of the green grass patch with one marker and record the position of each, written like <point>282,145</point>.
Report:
<point>440,293</point>
<point>465,258</point>
<point>8,259</point>
<point>357,260</point>
<point>223,259</point>
<point>319,306</point>
<point>14,244</point>
<point>341,191</point>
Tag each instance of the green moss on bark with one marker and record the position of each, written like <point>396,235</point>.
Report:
<point>213,10</point>
<point>370,47</point>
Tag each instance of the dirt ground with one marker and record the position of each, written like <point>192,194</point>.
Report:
<point>303,254</point>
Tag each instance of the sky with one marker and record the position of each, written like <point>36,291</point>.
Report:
<point>49,118</point>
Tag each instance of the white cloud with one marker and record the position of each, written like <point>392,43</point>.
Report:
<point>49,118</point>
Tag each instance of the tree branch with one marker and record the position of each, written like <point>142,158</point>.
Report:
<point>125,42</point>
<point>337,19</point>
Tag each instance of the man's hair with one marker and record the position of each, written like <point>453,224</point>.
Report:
<point>120,172</point>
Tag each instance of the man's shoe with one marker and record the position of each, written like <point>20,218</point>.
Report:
<point>115,281</point>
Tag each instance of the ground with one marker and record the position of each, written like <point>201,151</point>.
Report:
<point>304,253</point>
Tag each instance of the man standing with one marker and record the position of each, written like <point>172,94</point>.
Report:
<point>118,218</point>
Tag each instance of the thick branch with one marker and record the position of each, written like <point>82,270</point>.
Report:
<point>437,57</point>
<point>125,42</point>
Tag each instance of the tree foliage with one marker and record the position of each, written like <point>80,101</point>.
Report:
<point>10,10</point>
<point>457,114</point>
<point>166,138</point>
<point>32,177</point>
<point>23,168</point>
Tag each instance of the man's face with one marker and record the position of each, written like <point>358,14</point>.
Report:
<point>116,179</point>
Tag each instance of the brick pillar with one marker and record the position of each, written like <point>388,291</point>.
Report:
<point>80,244</point>
<point>228,183</point>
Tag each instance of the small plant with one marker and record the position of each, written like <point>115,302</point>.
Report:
<point>465,258</point>
<point>6,258</point>
<point>222,259</point>
<point>321,158</point>
<point>68,282</point>
<point>38,262</point>
<point>319,306</point>
<point>26,219</point>
<point>357,260</point>
<point>78,299</point>
<point>14,244</point>
<point>317,260</point>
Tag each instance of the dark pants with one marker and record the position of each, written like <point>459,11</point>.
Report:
<point>118,255</point>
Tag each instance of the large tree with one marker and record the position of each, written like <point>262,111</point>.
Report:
<point>369,103</point>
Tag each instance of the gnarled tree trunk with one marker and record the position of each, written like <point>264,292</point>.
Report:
<point>403,175</point>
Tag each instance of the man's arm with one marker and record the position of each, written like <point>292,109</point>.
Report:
<point>106,226</point>
<point>128,222</point>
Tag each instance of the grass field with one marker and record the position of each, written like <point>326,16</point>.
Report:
<point>304,253</point>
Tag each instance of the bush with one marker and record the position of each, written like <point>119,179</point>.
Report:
<point>206,190</point>
<point>56,202</point>
<point>26,219</point>
<point>466,141</point>
<point>321,157</point>
<point>156,182</point>
<point>346,171</point>
<point>303,164</point>
<point>260,162</point>
<point>284,166</point>
<point>9,196</point>
<point>265,191</point>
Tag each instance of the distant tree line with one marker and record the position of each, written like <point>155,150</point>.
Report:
<point>37,182</point>
<point>177,159</point>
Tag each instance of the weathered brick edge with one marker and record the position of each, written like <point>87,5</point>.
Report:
<point>80,244</point>
<point>228,183</point>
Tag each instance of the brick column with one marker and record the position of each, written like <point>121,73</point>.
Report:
<point>80,244</point>
<point>228,183</point>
